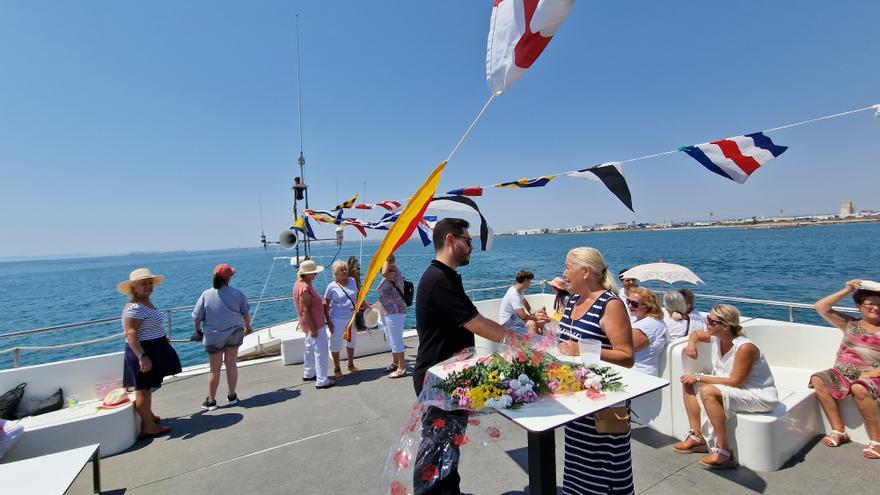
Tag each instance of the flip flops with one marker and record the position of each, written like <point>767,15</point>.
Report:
<point>158,433</point>
<point>398,374</point>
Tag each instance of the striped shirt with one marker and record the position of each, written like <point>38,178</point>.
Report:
<point>153,320</point>
<point>595,463</point>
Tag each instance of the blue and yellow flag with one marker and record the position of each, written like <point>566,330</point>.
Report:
<point>347,204</point>
<point>537,182</point>
<point>302,225</point>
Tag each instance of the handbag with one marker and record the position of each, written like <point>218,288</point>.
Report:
<point>612,420</point>
<point>359,322</point>
<point>35,406</point>
<point>407,293</point>
<point>9,401</point>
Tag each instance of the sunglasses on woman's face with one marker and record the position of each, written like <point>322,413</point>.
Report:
<point>633,304</point>
<point>712,323</point>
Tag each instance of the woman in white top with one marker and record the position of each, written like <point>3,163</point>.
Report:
<point>680,322</point>
<point>515,312</point>
<point>741,381</point>
<point>650,336</point>
<point>339,299</point>
<point>698,321</point>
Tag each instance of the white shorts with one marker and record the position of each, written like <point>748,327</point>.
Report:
<point>336,342</point>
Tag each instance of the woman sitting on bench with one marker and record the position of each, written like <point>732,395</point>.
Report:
<point>741,381</point>
<point>856,371</point>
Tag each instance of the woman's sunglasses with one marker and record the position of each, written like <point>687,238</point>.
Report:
<point>633,304</point>
<point>711,322</point>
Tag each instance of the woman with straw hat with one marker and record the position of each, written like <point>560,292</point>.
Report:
<point>310,310</point>
<point>149,356</point>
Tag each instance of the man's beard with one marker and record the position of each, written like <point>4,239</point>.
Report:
<point>462,258</point>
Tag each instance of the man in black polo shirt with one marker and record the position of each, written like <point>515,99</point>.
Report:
<point>446,321</point>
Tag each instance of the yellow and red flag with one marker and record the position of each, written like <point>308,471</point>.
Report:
<point>398,234</point>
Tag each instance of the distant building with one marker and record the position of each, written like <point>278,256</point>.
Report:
<point>847,208</point>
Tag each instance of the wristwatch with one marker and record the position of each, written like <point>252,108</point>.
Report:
<point>699,377</point>
<point>142,355</point>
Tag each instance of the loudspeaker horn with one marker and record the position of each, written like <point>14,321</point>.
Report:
<point>287,238</point>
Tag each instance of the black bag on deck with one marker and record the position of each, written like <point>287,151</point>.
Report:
<point>35,407</point>
<point>409,291</point>
<point>9,401</point>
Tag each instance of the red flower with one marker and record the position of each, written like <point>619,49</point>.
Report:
<point>494,432</point>
<point>460,440</point>
<point>439,423</point>
<point>473,421</point>
<point>594,394</point>
<point>397,488</point>
<point>430,472</point>
<point>401,458</point>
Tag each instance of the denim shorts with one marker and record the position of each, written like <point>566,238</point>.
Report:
<point>232,340</point>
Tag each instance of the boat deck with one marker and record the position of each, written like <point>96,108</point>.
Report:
<point>286,437</point>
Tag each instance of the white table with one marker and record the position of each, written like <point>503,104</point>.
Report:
<point>52,473</point>
<point>541,418</point>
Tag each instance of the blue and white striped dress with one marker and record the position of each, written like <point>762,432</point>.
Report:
<point>153,326</point>
<point>595,463</point>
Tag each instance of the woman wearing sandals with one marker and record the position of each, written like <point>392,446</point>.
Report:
<point>149,356</point>
<point>339,298</point>
<point>856,371</point>
<point>391,297</point>
<point>741,381</point>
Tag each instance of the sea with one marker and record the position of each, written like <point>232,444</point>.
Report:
<point>800,265</point>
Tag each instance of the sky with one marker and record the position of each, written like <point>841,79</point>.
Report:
<point>153,126</point>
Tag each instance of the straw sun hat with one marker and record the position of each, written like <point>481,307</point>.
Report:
<point>139,274</point>
<point>308,267</point>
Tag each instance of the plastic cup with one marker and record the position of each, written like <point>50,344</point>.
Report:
<point>591,350</point>
<point>73,401</point>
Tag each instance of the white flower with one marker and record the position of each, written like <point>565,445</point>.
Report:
<point>594,382</point>
<point>514,384</point>
<point>523,378</point>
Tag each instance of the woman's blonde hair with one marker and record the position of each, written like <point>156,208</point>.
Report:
<point>676,305</point>
<point>649,301</point>
<point>729,316</point>
<point>591,258</point>
<point>337,265</point>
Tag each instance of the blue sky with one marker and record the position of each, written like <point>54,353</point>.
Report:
<point>134,126</point>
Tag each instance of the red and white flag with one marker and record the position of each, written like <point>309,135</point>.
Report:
<point>518,33</point>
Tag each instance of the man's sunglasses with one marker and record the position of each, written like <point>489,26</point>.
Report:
<point>467,239</point>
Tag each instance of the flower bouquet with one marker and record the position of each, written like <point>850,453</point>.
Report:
<point>504,383</point>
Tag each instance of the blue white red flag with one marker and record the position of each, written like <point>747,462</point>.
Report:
<point>467,191</point>
<point>736,158</point>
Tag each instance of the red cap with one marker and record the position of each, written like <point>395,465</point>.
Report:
<point>224,271</point>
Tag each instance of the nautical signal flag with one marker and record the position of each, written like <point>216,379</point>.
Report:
<point>736,158</point>
<point>518,32</point>
<point>346,204</point>
<point>610,174</point>
<point>302,225</point>
<point>467,191</point>
<point>537,182</point>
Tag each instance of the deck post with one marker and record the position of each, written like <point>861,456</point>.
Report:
<point>542,462</point>
<point>170,324</point>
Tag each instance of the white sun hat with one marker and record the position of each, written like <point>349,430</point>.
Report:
<point>371,317</point>
<point>140,274</point>
<point>308,267</point>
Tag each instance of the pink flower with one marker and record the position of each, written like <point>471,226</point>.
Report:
<point>473,421</point>
<point>430,472</point>
<point>397,488</point>
<point>401,458</point>
<point>460,440</point>
<point>594,394</point>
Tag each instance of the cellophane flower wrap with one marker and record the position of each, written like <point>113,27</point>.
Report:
<point>523,372</point>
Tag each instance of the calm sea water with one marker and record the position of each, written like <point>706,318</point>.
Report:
<point>798,265</point>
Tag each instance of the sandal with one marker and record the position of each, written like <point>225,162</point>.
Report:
<point>872,451</point>
<point>686,447</point>
<point>391,367</point>
<point>398,374</point>
<point>727,464</point>
<point>337,374</point>
<point>158,433</point>
<point>835,439</point>
<point>353,369</point>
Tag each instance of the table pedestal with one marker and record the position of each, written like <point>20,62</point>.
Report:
<point>542,462</point>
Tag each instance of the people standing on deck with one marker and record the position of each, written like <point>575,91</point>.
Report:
<point>678,321</point>
<point>339,300</point>
<point>515,312</point>
<point>697,320</point>
<point>856,371</point>
<point>741,381</point>
<point>650,335</point>
<point>595,462</point>
<point>623,292</point>
<point>149,356</point>
<point>221,318</point>
<point>446,321</point>
<point>394,315</point>
<point>310,311</point>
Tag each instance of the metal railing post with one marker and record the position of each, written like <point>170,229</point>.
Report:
<point>15,357</point>
<point>791,314</point>
<point>170,324</point>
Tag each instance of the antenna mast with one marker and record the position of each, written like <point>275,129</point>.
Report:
<point>300,189</point>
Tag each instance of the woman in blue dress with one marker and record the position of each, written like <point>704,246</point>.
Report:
<point>595,463</point>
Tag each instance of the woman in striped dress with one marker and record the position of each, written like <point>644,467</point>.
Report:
<point>595,463</point>
<point>149,356</point>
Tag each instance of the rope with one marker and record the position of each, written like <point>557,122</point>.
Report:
<point>470,128</point>
<point>265,284</point>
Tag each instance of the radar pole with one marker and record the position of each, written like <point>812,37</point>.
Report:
<point>300,189</point>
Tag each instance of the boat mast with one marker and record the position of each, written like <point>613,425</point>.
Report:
<point>300,189</point>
